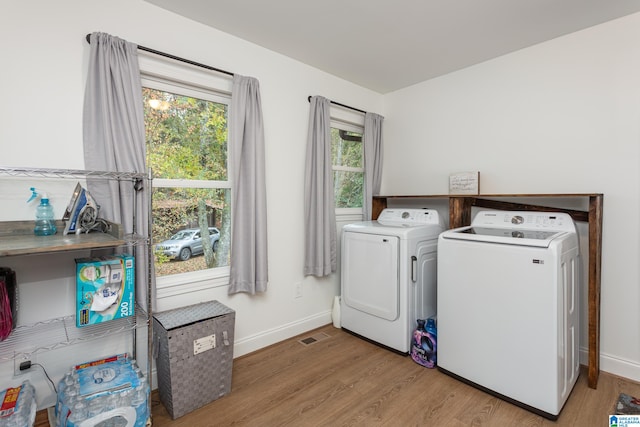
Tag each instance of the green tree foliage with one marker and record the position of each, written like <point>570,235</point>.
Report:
<point>346,151</point>
<point>186,139</point>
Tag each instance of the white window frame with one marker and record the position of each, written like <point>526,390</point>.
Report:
<point>349,214</point>
<point>168,75</point>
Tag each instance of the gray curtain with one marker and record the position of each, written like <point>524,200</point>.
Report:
<point>372,160</point>
<point>320,256</point>
<point>249,272</point>
<point>114,138</point>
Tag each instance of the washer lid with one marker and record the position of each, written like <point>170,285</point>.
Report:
<point>515,228</point>
<point>536,238</point>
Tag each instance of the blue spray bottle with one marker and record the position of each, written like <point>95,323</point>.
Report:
<point>45,222</point>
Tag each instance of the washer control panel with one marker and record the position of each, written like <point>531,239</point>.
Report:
<point>552,221</point>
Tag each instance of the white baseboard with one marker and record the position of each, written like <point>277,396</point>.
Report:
<point>266,338</point>
<point>614,365</point>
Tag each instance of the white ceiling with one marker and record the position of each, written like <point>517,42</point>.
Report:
<point>385,45</point>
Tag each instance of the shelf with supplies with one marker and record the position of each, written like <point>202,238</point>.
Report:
<point>460,215</point>
<point>18,240</point>
<point>26,340</point>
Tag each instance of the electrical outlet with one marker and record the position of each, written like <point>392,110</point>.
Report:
<point>298,287</point>
<point>20,359</point>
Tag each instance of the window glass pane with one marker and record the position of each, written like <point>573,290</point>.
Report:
<point>348,189</point>
<point>346,148</point>
<point>187,141</point>
<point>177,217</point>
<point>186,137</point>
<point>348,173</point>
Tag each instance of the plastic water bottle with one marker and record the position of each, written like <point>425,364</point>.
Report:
<point>21,407</point>
<point>79,412</point>
<point>45,221</point>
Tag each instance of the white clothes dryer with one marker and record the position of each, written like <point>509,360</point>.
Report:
<point>388,277</point>
<point>508,303</point>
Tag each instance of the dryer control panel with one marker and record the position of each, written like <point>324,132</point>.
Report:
<point>393,216</point>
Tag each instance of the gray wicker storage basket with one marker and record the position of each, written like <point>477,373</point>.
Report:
<point>188,381</point>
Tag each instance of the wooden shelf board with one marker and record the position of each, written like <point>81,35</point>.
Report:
<point>17,238</point>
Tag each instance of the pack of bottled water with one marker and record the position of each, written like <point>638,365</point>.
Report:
<point>111,392</point>
<point>18,406</point>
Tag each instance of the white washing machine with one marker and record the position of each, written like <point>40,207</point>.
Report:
<point>508,307</point>
<point>388,275</point>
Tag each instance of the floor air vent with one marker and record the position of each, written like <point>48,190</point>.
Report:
<point>314,338</point>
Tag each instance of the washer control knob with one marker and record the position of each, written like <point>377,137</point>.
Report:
<point>405,215</point>
<point>517,219</point>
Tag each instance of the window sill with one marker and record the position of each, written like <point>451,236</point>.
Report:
<point>348,214</point>
<point>179,284</point>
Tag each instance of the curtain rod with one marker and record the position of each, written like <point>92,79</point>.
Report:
<point>177,58</point>
<point>342,105</point>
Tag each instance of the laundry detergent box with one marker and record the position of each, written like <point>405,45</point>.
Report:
<point>104,289</point>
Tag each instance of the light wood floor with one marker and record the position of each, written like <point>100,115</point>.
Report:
<point>345,381</point>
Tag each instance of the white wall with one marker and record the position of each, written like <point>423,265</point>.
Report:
<point>43,71</point>
<point>563,116</point>
<point>559,117</point>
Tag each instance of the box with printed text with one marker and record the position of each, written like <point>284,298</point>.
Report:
<point>105,289</point>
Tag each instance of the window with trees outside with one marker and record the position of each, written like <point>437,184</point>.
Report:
<point>348,165</point>
<point>186,136</point>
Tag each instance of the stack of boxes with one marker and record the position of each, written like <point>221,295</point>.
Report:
<point>108,389</point>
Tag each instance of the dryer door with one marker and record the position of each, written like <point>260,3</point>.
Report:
<point>370,281</point>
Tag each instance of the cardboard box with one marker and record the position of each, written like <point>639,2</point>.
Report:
<point>195,355</point>
<point>105,289</point>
